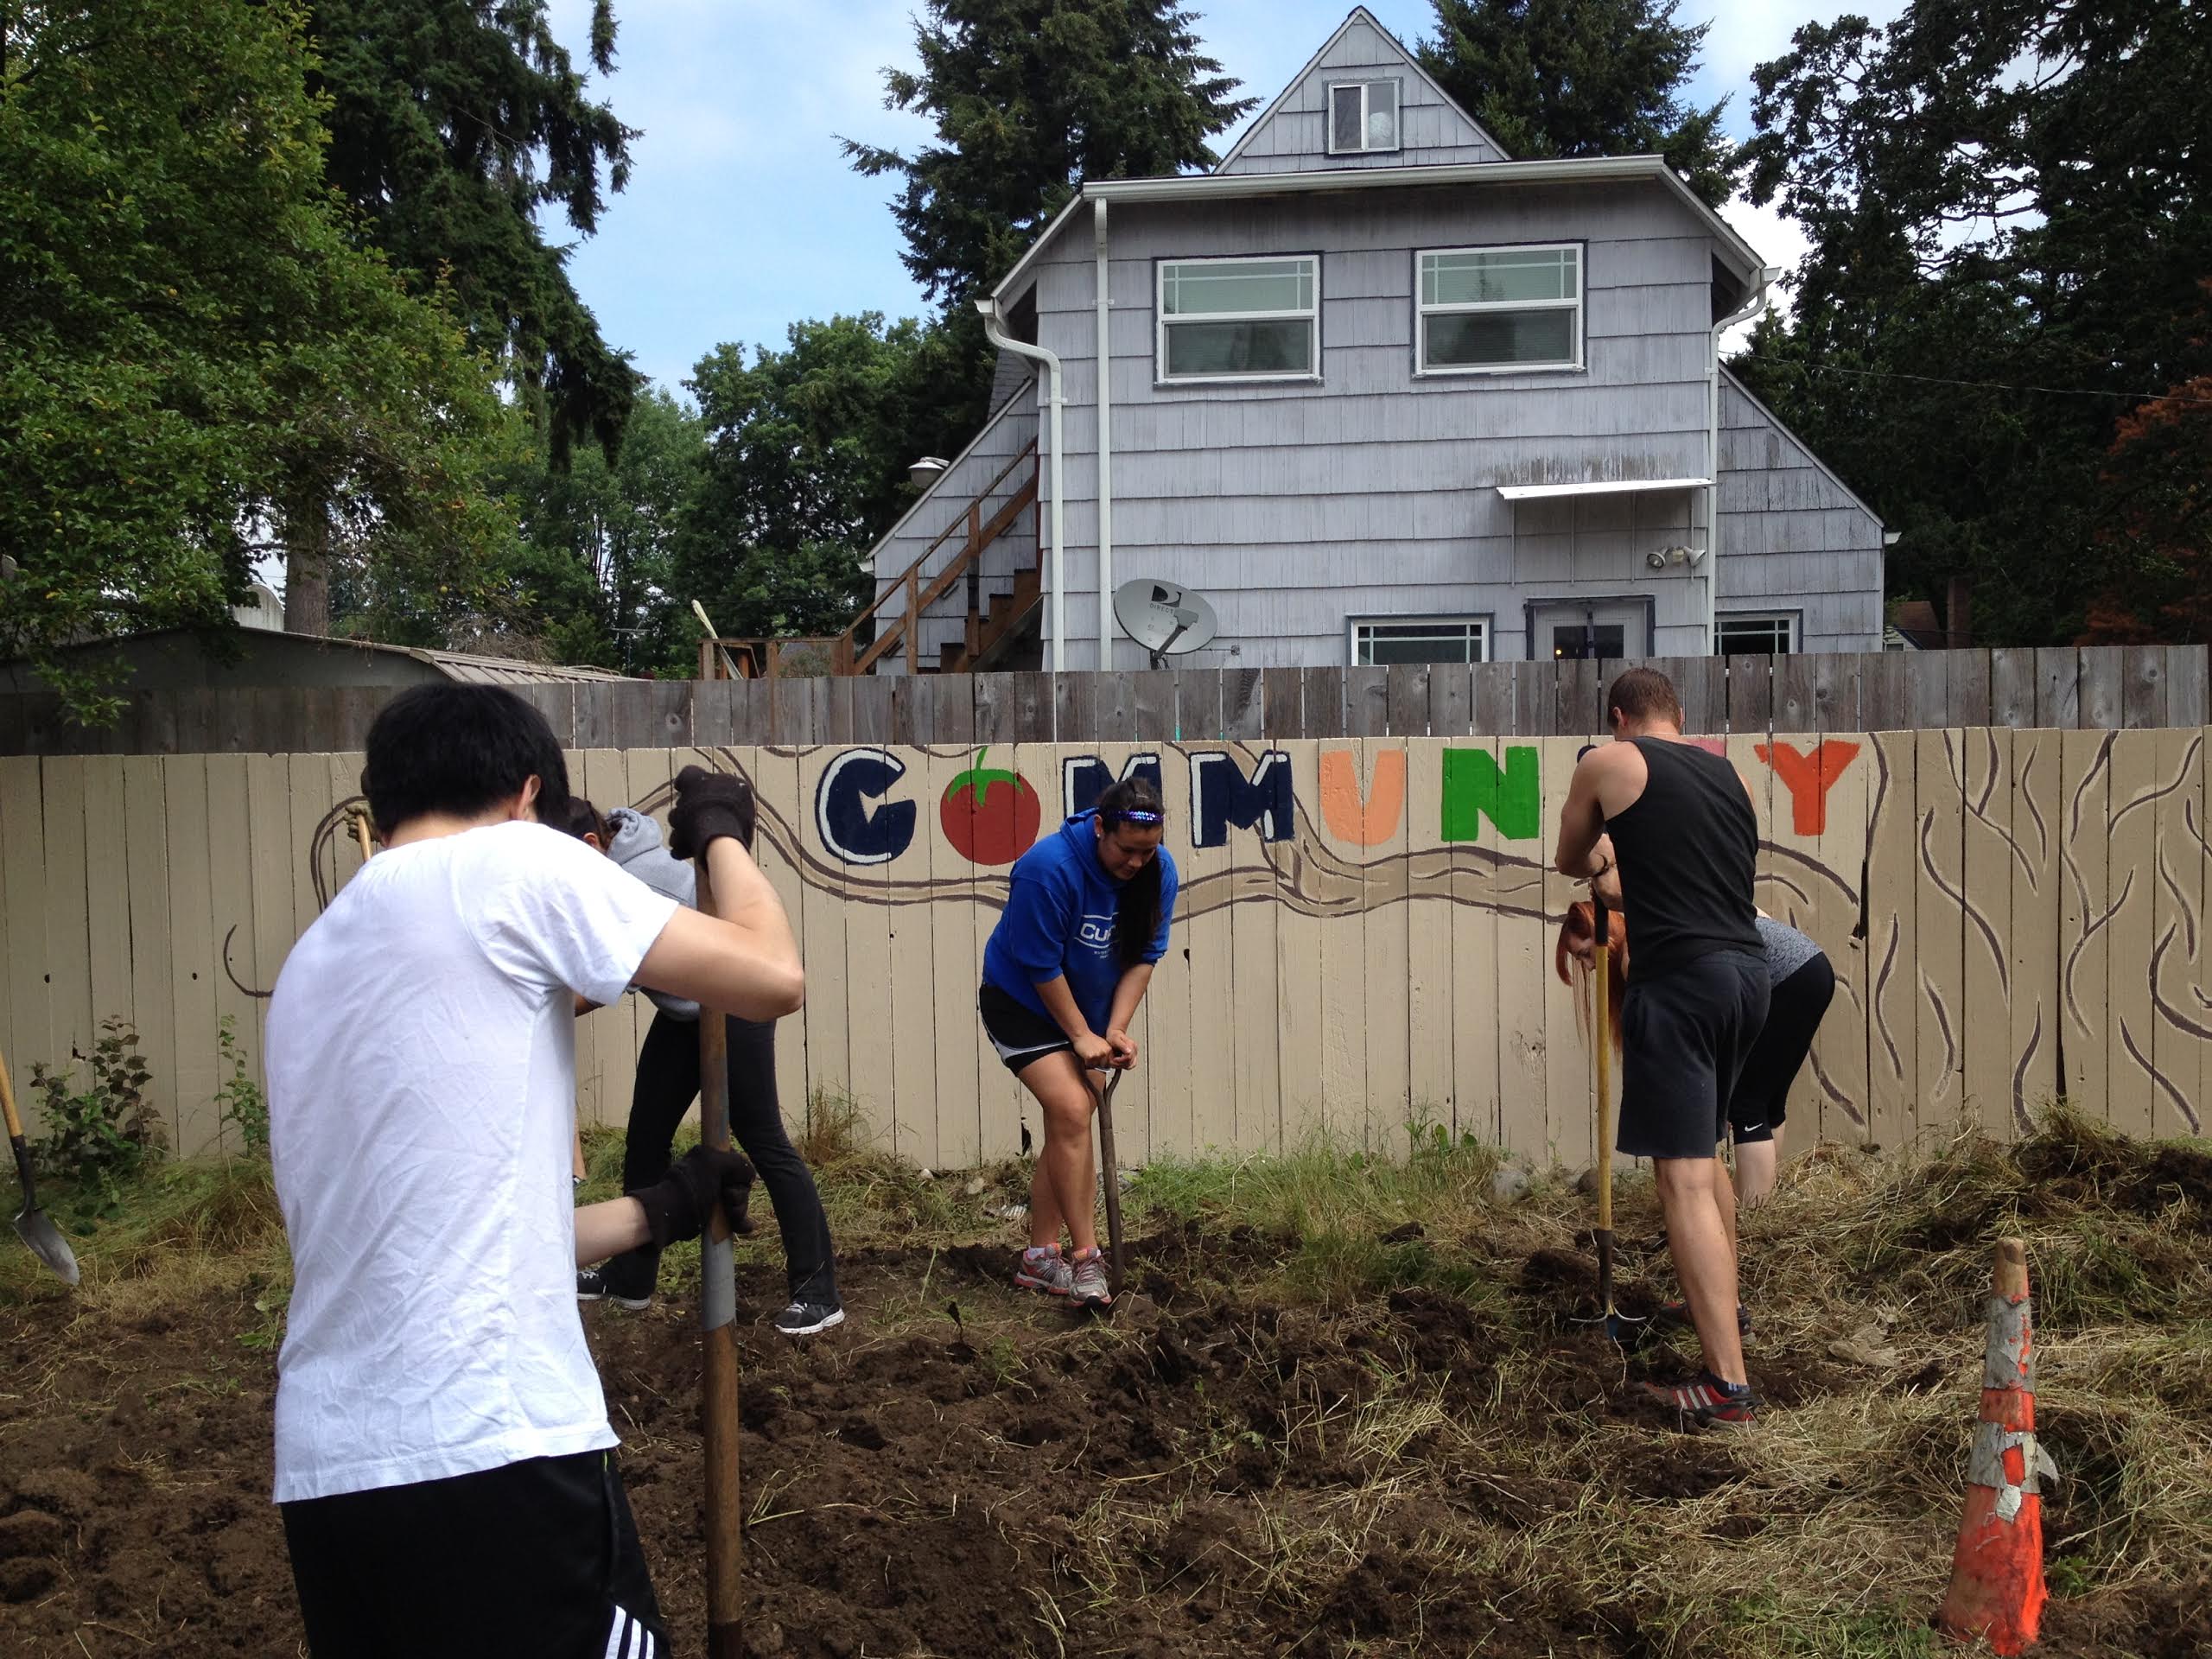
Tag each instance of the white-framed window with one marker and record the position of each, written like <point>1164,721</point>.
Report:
<point>1755,633</point>
<point>1363,117</point>
<point>1377,641</point>
<point>1499,310</point>
<point>1240,319</point>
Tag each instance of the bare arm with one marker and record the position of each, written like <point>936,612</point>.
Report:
<point>1090,1049</point>
<point>1127,994</point>
<point>608,1229</point>
<point>1582,820</point>
<point>743,961</point>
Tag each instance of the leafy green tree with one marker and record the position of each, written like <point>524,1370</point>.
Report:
<point>189,338</point>
<point>1029,97</point>
<point>1583,77</point>
<point>2007,209</point>
<point>453,125</point>
<point>807,452</point>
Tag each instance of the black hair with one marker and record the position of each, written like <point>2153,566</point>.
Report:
<point>1137,917</point>
<point>582,819</point>
<point>459,749</point>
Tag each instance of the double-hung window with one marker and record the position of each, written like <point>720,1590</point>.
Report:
<point>1363,117</point>
<point>1756,633</point>
<point>1240,319</point>
<point>1377,641</point>
<point>1490,310</point>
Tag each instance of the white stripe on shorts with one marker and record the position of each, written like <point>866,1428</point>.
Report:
<point>615,1635</point>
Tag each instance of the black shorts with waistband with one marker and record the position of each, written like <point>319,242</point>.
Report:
<point>1020,1035</point>
<point>1685,1032</point>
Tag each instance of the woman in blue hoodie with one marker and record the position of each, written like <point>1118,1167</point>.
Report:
<point>1087,915</point>
<point>668,1082</point>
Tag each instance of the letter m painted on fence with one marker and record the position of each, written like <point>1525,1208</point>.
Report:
<point>1474,788</point>
<point>1221,796</point>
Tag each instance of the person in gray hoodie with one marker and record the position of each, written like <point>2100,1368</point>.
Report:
<point>668,1082</point>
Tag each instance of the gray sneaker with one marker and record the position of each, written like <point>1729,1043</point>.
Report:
<point>1045,1271</point>
<point>1088,1287</point>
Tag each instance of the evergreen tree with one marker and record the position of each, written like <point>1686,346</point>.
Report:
<point>2007,208</point>
<point>1582,78</point>
<point>1029,97</point>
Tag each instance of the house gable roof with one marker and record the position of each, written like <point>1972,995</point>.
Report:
<point>1734,383</point>
<point>1292,134</point>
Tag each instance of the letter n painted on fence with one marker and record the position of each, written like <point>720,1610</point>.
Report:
<point>1371,821</point>
<point>1084,777</point>
<point>1222,796</point>
<point>1809,778</point>
<point>850,829</point>
<point>1474,789</point>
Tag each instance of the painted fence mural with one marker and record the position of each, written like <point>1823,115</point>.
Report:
<point>1365,937</point>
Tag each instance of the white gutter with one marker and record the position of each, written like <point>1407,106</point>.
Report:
<point>1230,187</point>
<point>1105,361</point>
<point>997,335</point>
<point>1750,307</point>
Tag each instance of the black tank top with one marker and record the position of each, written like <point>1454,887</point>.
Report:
<point>1688,851</point>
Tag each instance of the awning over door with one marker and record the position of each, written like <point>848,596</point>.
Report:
<point>1602,487</point>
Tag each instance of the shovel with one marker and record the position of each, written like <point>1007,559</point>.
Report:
<point>1617,1323</point>
<point>33,1225</point>
<point>1113,1181</point>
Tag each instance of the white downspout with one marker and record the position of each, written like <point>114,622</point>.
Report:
<point>998,337</point>
<point>1750,307</point>
<point>1105,361</point>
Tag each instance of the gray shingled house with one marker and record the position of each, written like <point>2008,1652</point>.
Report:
<point>1383,394</point>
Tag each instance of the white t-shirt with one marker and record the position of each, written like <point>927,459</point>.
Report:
<point>422,1090</point>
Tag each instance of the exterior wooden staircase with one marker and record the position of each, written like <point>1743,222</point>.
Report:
<point>991,624</point>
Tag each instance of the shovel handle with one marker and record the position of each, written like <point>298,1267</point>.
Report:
<point>1602,1037</point>
<point>1113,1181</point>
<point>8,1104</point>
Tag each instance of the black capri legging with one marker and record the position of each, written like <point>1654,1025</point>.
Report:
<point>1761,1098</point>
<point>668,1082</point>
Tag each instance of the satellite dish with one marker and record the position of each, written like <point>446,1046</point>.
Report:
<point>1166,619</point>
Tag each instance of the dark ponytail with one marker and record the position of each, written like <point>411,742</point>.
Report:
<point>1137,918</point>
<point>579,817</point>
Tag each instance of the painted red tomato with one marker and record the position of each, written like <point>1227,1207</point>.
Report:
<point>990,818</point>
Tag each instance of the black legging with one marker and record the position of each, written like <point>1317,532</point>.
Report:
<point>1761,1098</point>
<point>668,1082</point>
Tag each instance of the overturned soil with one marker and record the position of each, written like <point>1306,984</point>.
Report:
<point>961,1472</point>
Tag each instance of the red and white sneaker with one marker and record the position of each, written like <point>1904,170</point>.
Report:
<point>1706,1402</point>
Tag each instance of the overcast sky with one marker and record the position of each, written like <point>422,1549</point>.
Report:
<point>742,217</point>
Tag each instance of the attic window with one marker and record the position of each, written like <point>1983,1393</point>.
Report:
<point>1363,117</point>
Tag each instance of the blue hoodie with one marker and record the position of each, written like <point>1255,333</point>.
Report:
<point>1058,920</point>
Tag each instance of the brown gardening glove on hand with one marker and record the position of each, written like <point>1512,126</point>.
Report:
<point>709,805</point>
<point>678,1206</point>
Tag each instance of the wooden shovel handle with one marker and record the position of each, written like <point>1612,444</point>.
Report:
<point>8,1103</point>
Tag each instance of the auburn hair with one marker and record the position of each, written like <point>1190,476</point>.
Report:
<point>1578,930</point>
<point>1136,917</point>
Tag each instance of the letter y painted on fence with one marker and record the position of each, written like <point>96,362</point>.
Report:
<point>1809,777</point>
<point>1367,822</point>
<point>1473,787</point>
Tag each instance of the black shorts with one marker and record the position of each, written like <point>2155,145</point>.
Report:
<point>1019,1033</point>
<point>1684,1033</point>
<point>1792,1014</point>
<point>538,1557</point>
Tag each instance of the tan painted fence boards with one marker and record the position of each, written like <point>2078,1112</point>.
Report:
<point>1364,939</point>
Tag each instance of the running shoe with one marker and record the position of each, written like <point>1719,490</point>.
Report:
<point>591,1287</point>
<point>1087,1286</point>
<point>1707,1401</point>
<point>1045,1271</point>
<point>810,1319</point>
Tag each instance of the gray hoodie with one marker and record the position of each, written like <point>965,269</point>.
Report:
<point>638,848</point>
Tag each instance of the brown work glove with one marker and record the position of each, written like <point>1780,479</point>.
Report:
<point>709,805</point>
<point>678,1206</point>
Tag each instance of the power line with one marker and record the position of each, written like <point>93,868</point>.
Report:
<point>1984,385</point>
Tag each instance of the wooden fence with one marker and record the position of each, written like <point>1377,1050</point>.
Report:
<point>2097,687</point>
<point>1365,937</point>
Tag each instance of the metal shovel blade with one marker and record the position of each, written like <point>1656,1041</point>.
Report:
<point>37,1229</point>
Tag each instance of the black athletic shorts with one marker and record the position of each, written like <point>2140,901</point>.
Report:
<point>1018,1032</point>
<point>1792,1014</point>
<point>539,1557</point>
<point>1684,1034</point>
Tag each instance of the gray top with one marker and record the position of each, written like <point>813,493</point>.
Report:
<point>1787,949</point>
<point>638,848</point>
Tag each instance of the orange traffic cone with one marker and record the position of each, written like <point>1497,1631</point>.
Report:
<point>1997,1588</point>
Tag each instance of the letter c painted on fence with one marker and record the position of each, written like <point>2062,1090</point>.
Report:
<point>850,830</point>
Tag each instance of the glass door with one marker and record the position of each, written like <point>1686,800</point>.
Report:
<point>1604,630</point>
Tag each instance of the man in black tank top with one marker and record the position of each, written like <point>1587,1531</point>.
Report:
<point>1682,823</point>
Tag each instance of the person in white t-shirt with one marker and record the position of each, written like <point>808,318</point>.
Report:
<point>442,1454</point>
